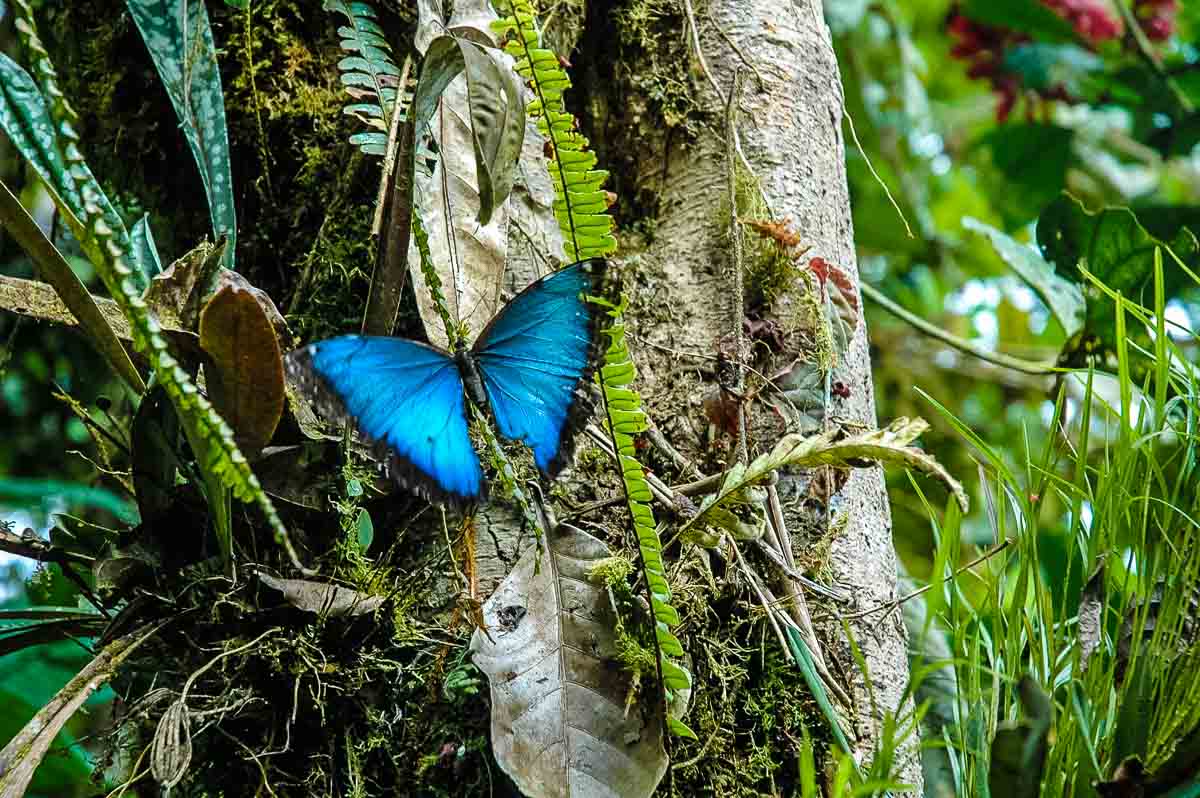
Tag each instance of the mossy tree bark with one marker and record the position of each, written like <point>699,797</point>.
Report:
<point>789,119</point>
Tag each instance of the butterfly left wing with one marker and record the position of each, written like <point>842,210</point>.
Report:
<point>407,398</point>
<point>536,358</point>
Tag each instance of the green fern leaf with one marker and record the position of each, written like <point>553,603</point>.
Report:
<point>370,76</point>
<point>626,419</point>
<point>50,146</point>
<point>580,203</point>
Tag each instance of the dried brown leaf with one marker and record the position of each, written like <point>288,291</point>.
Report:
<point>559,724</point>
<point>245,378</point>
<point>322,597</point>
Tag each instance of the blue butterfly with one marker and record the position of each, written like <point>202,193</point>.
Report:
<point>530,367</point>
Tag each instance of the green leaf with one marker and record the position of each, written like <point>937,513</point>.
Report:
<point>1024,16</point>
<point>365,529</point>
<point>26,120</point>
<point>145,251</point>
<point>1113,246</point>
<point>1033,159</point>
<point>180,42</point>
<point>1062,297</point>
<point>46,492</point>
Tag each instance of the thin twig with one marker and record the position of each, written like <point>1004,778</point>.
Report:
<point>767,604</point>
<point>737,299</point>
<point>35,548</point>
<point>891,605</point>
<point>996,358</point>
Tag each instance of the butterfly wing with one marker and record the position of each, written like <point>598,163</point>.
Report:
<point>407,398</point>
<point>536,358</point>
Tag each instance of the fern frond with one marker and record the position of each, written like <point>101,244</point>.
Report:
<point>209,435</point>
<point>626,419</point>
<point>581,208</point>
<point>370,76</point>
<point>53,152</point>
<point>580,204</point>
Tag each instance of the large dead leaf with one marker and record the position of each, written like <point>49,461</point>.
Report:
<point>322,598</point>
<point>559,725</point>
<point>469,256</point>
<point>245,381</point>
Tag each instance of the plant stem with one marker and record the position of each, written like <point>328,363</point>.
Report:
<point>996,358</point>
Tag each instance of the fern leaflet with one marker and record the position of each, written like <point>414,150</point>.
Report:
<point>580,204</point>
<point>581,209</point>
<point>370,76</point>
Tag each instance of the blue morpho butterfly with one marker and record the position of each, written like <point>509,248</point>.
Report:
<point>530,366</point>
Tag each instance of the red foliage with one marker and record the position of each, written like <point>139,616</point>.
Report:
<point>983,46</point>
<point>1157,17</point>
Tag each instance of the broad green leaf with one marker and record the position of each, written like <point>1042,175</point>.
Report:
<point>1062,297</point>
<point>1112,246</point>
<point>180,42</point>
<point>1033,160</point>
<point>45,493</point>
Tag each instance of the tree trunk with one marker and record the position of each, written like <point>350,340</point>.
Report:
<point>788,118</point>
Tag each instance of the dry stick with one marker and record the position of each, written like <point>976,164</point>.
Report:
<point>387,282</point>
<point>766,603</point>
<point>737,301</point>
<point>891,605</point>
<point>1007,361</point>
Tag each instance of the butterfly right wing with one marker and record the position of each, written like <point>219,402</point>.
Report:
<point>407,398</point>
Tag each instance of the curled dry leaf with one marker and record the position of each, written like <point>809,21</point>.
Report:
<point>560,727</point>
<point>171,750</point>
<point>175,295</point>
<point>322,597</point>
<point>245,377</point>
<point>1091,608</point>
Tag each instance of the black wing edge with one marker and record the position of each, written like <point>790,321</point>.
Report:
<point>299,368</point>
<point>583,399</point>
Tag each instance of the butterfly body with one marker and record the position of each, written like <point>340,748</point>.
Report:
<point>528,370</point>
